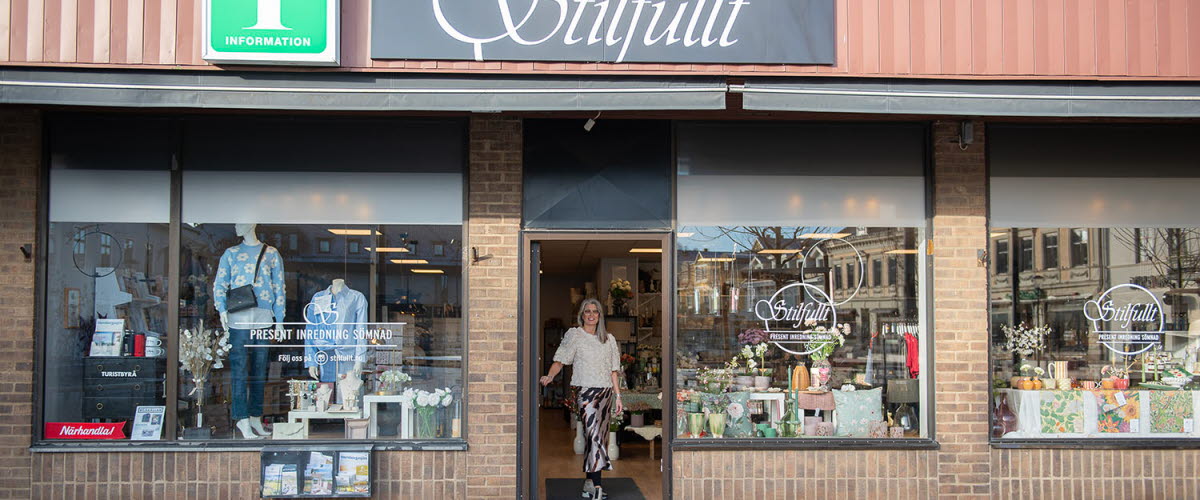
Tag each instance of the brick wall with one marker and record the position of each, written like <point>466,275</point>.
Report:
<point>20,155</point>
<point>783,475</point>
<point>960,319</point>
<point>494,223</point>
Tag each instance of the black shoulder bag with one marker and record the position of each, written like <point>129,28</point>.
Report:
<point>242,297</point>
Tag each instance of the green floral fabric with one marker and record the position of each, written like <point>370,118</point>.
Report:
<point>738,423</point>
<point>1112,416</point>
<point>1061,412</point>
<point>856,410</point>
<point>1168,410</point>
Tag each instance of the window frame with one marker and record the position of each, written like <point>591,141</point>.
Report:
<point>1047,261</point>
<point>925,294</point>
<point>171,442</point>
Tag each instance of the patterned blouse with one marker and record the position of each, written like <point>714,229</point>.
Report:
<point>594,362</point>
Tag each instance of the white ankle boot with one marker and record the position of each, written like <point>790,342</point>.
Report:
<point>257,426</point>
<point>247,431</point>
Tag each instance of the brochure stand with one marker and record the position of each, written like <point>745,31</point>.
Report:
<point>332,471</point>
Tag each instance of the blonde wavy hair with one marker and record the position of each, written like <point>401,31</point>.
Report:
<point>601,333</point>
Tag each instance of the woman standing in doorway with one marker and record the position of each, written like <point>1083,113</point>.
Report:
<point>597,360</point>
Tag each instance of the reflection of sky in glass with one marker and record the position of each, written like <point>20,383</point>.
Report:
<point>734,239</point>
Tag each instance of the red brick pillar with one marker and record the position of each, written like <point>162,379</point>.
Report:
<point>494,220</point>
<point>20,162</point>
<point>960,317</point>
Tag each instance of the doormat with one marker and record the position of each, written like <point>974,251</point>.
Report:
<point>618,488</point>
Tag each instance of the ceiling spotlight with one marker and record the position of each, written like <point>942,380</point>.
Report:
<point>587,126</point>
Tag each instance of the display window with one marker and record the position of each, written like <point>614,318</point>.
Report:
<point>1096,342</point>
<point>320,282</point>
<point>788,327</point>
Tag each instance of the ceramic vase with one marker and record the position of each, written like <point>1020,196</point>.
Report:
<point>716,424</point>
<point>1121,384</point>
<point>800,380</point>
<point>1048,383</point>
<point>578,443</point>
<point>1004,420</point>
<point>744,381</point>
<point>637,419</point>
<point>826,429</point>
<point>614,451</point>
<point>1108,383</point>
<point>762,382</point>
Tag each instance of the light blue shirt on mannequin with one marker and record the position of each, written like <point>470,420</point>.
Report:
<point>340,326</point>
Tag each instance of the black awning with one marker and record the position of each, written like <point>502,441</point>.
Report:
<point>982,98</point>
<point>341,91</point>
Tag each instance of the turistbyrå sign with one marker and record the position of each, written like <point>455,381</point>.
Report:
<point>300,32</point>
<point>663,31</point>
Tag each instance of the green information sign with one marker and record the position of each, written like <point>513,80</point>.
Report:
<point>271,31</point>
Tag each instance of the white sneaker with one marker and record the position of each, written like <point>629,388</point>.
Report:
<point>588,489</point>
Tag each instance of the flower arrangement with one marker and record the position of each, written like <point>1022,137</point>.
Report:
<point>714,380</point>
<point>1023,340</point>
<point>571,403</point>
<point>716,403</point>
<point>200,353</point>
<point>821,349</point>
<point>637,407</point>
<point>1114,371</point>
<point>1038,371</point>
<point>620,289</point>
<point>753,336</point>
<point>615,421</point>
<point>626,360</point>
<point>426,403</point>
<point>393,379</point>
<point>1026,369</point>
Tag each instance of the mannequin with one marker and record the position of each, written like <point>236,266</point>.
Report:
<point>248,365</point>
<point>336,320</point>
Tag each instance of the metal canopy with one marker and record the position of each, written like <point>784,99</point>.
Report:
<point>340,91</point>
<point>990,98</point>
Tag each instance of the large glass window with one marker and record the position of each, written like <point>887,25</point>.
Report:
<point>106,311</point>
<point>312,304</point>
<point>771,342</point>
<point>1101,342</point>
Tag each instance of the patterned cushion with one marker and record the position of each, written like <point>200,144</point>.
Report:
<point>856,410</point>
<point>738,424</point>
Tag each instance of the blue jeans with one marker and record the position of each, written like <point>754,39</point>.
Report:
<point>248,369</point>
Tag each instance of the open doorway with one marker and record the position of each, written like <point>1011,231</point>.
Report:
<point>563,272</point>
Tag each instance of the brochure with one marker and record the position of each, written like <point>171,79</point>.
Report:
<point>354,472</point>
<point>148,423</point>
<point>108,337</point>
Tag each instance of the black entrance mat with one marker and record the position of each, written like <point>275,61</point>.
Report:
<point>618,488</point>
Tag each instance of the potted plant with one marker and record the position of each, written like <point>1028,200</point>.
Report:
<point>620,290</point>
<point>714,380</point>
<point>1116,377</point>
<point>715,405</point>
<point>391,381</point>
<point>637,415</point>
<point>1025,383</point>
<point>822,370</point>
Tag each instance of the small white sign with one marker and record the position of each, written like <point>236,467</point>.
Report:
<point>1135,425</point>
<point>1189,425</point>
<point>1120,398</point>
<point>148,423</point>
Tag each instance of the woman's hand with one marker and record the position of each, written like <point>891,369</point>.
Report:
<point>546,380</point>
<point>619,407</point>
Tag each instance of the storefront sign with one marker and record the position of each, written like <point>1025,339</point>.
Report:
<point>85,430</point>
<point>665,31</point>
<point>794,324</point>
<point>1127,316</point>
<point>301,32</point>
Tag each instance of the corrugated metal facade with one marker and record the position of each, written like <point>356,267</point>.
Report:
<point>890,38</point>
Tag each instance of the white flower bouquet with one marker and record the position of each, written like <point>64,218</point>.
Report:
<point>1023,340</point>
<point>199,354</point>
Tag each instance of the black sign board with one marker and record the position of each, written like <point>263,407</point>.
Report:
<point>618,31</point>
